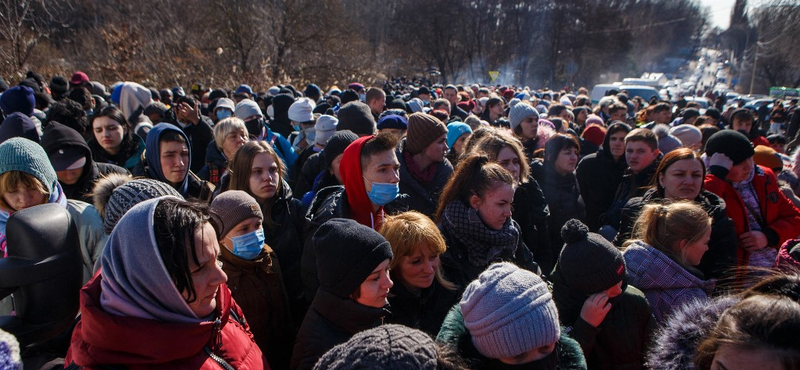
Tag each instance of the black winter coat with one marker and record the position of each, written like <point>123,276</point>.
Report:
<point>424,198</point>
<point>632,185</point>
<point>532,213</point>
<point>199,136</point>
<point>330,321</point>
<point>720,258</point>
<point>599,177</point>
<point>425,311</point>
<point>216,165</point>
<point>564,200</point>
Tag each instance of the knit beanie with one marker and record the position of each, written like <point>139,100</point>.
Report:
<point>129,194</point>
<point>393,121</point>
<point>312,90</point>
<point>666,142</point>
<point>388,347</point>
<point>593,119</point>
<point>20,154</point>
<point>357,117</point>
<point>688,134</point>
<point>232,207</point>
<point>18,99</point>
<point>325,128</point>
<point>455,130</point>
<point>731,143</point>
<point>10,356</point>
<point>302,110</point>
<point>18,125</point>
<point>767,157</point>
<point>690,113</point>
<point>594,134</point>
<point>416,105</point>
<point>423,129</point>
<point>59,85</point>
<point>520,112</point>
<point>336,145</point>
<point>509,311</point>
<point>247,108</point>
<point>347,253</point>
<point>589,263</point>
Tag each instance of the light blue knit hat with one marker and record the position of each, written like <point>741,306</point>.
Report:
<point>455,130</point>
<point>509,311</point>
<point>20,154</point>
<point>519,112</point>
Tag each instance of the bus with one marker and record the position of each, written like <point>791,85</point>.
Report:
<point>783,92</point>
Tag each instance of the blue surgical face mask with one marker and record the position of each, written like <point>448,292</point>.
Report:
<point>223,113</point>
<point>383,193</point>
<point>248,246</point>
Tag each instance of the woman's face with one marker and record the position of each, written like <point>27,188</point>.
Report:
<point>207,276</point>
<point>418,270</point>
<point>682,180</point>
<point>740,172</point>
<point>108,133</point>
<point>245,227</point>
<point>458,146</point>
<point>566,161</point>
<point>174,158</point>
<point>616,143</point>
<point>529,127</point>
<point>233,141</point>
<point>375,289</point>
<point>532,355</point>
<point>497,109</point>
<point>694,251</point>
<point>437,149</point>
<point>264,177</point>
<point>23,197</point>
<point>494,208</point>
<point>508,159</point>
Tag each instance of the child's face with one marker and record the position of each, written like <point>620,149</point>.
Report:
<point>740,172</point>
<point>23,197</point>
<point>693,252</point>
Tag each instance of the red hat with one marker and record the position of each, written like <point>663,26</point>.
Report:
<point>594,134</point>
<point>79,78</point>
<point>509,93</point>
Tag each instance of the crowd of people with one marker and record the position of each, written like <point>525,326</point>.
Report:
<point>410,225</point>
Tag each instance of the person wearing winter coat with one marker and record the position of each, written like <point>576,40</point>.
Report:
<point>531,211</point>
<point>132,99</point>
<point>254,274</point>
<point>680,176</point>
<point>229,135</point>
<point>421,295</point>
<point>474,217</point>
<point>321,170</point>
<point>168,158</point>
<point>196,127</point>
<point>670,240</point>
<point>524,120</point>
<point>115,142</point>
<point>599,174</point>
<point>556,175</point>
<point>762,216</point>
<point>424,170</point>
<point>72,159</point>
<point>507,320</point>
<point>131,318</point>
<point>353,270</point>
<point>369,173</point>
<point>249,112</point>
<point>610,319</point>
<point>258,171</point>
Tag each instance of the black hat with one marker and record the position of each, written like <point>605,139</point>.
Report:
<point>357,117</point>
<point>348,96</point>
<point>347,253</point>
<point>589,263</point>
<point>336,145</point>
<point>423,90</point>
<point>732,143</point>
<point>59,85</point>
<point>690,113</point>
<point>713,113</point>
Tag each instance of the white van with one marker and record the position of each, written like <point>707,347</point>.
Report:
<point>645,92</point>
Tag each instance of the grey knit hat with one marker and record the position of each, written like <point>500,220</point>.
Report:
<point>232,207</point>
<point>387,347</point>
<point>509,311</point>
<point>520,112</point>
<point>356,116</point>
<point>131,193</point>
<point>247,108</point>
<point>23,155</point>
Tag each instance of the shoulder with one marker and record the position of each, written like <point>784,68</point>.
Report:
<point>108,168</point>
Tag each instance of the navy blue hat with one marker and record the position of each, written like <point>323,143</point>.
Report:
<point>312,90</point>
<point>18,99</point>
<point>393,121</point>
<point>18,125</point>
<point>243,89</point>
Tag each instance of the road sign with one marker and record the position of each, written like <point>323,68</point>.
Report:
<point>494,74</point>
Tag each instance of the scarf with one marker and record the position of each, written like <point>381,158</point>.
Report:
<point>423,176</point>
<point>483,244</point>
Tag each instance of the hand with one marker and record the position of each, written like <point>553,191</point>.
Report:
<point>753,240</point>
<point>187,113</point>
<point>595,309</point>
<point>720,159</point>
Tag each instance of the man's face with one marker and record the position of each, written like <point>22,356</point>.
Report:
<point>377,105</point>
<point>381,167</point>
<point>742,125</point>
<point>618,115</point>
<point>452,96</point>
<point>639,155</point>
<point>662,117</point>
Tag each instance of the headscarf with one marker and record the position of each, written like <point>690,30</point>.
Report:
<point>352,178</point>
<point>153,155</point>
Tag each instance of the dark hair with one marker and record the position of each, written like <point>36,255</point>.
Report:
<point>81,95</point>
<point>556,110</point>
<point>476,137</point>
<point>492,102</point>
<point>660,107</point>
<point>171,136</point>
<point>707,129</point>
<point>616,107</point>
<point>475,175</point>
<point>556,144</point>
<point>127,145</point>
<point>69,113</point>
<point>668,160</point>
<point>239,171</point>
<point>644,135</point>
<point>378,144</point>
<point>174,224</point>
<point>491,145</point>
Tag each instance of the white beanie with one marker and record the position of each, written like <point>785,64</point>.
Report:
<point>247,108</point>
<point>688,134</point>
<point>302,110</point>
<point>325,128</point>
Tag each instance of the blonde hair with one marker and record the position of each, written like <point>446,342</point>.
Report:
<point>11,180</point>
<point>664,226</point>
<point>408,232</point>
<point>225,127</point>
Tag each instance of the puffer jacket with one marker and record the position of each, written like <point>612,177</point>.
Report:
<point>531,212</point>
<point>599,176</point>
<point>423,198</point>
<point>666,283</point>
<point>425,311</point>
<point>789,256</point>
<point>720,258</point>
<point>563,199</point>
<point>101,339</point>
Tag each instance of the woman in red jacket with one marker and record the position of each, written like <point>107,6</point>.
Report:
<point>763,217</point>
<point>160,300</point>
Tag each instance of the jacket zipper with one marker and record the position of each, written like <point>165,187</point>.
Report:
<point>219,360</point>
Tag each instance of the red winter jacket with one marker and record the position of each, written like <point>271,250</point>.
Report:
<point>101,338</point>
<point>781,217</point>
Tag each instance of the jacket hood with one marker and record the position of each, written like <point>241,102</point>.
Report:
<point>18,124</point>
<point>352,178</point>
<point>133,99</point>
<point>153,150</point>
<point>57,137</point>
<point>280,107</point>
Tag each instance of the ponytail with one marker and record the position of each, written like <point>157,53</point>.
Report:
<point>664,226</point>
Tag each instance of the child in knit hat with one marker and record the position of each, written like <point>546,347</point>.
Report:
<point>507,317</point>
<point>612,321</point>
<point>424,170</point>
